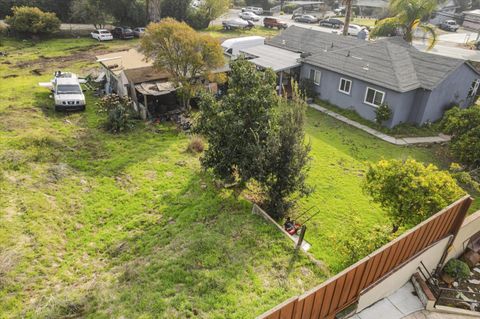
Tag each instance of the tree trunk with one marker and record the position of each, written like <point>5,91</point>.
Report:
<point>348,14</point>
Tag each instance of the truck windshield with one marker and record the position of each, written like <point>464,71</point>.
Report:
<point>69,89</point>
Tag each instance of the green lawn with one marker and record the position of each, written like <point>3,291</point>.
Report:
<point>340,157</point>
<point>102,226</point>
<point>219,32</point>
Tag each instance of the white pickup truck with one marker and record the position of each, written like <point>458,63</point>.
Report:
<point>67,92</point>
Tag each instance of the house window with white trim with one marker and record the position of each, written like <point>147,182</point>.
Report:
<point>374,97</point>
<point>474,88</point>
<point>315,76</point>
<point>345,86</point>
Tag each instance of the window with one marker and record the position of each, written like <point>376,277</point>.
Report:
<point>315,76</point>
<point>345,86</point>
<point>473,88</point>
<point>374,97</point>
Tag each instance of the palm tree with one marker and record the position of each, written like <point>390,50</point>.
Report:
<point>348,14</point>
<point>407,16</point>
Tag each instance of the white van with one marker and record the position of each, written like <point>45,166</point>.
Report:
<point>232,47</point>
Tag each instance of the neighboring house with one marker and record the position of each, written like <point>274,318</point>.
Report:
<point>127,73</point>
<point>471,20</point>
<point>444,12</point>
<point>359,75</point>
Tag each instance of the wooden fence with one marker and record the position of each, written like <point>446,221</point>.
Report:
<point>344,289</point>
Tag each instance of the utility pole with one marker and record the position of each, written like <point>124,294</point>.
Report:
<point>348,14</point>
<point>147,12</point>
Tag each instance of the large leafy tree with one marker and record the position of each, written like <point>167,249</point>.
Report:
<point>177,9</point>
<point>286,157</point>
<point>409,191</point>
<point>207,11</point>
<point>464,126</point>
<point>33,21</point>
<point>407,16</point>
<point>253,134</point>
<point>91,11</point>
<point>186,54</point>
<point>237,128</point>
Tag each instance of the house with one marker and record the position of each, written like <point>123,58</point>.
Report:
<point>128,73</point>
<point>471,20</point>
<point>360,75</point>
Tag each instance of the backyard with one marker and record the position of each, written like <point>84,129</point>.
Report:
<point>100,225</point>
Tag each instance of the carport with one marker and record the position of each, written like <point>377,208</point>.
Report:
<point>284,62</point>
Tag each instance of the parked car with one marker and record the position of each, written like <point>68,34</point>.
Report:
<point>138,32</point>
<point>270,22</point>
<point>249,16</point>
<point>67,92</point>
<point>332,23</point>
<point>102,35</point>
<point>354,29</point>
<point>237,24</point>
<point>306,18</point>
<point>123,33</point>
<point>449,25</point>
<point>339,11</point>
<point>255,10</point>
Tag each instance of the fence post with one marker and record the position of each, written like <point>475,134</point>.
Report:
<point>303,229</point>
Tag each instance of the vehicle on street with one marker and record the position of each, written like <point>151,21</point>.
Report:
<point>306,18</point>
<point>138,32</point>
<point>102,35</point>
<point>249,16</point>
<point>67,92</point>
<point>449,25</point>
<point>255,10</point>
<point>123,33</point>
<point>339,11</point>
<point>270,22</point>
<point>233,24</point>
<point>354,29</point>
<point>232,47</point>
<point>332,23</point>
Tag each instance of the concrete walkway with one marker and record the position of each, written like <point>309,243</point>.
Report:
<point>396,306</point>
<point>387,138</point>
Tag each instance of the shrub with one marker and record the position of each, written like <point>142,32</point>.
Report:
<point>33,21</point>
<point>196,144</point>
<point>307,88</point>
<point>464,126</point>
<point>409,191</point>
<point>383,113</point>
<point>457,269</point>
<point>120,112</point>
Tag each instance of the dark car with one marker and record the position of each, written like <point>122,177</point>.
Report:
<point>306,18</point>
<point>123,33</point>
<point>332,23</point>
<point>270,22</point>
<point>449,25</point>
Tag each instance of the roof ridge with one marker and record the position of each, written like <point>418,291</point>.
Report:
<point>396,68</point>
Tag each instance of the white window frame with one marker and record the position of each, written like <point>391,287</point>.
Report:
<point>372,104</point>
<point>315,72</point>
<point>476,85</point>
<point>349,87</point>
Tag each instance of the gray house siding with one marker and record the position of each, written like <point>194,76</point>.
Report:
<point>400,103</point>
<point>453,90</point>
<point>414,107</point>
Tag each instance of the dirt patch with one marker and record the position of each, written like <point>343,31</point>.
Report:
<point>9,76</point>
<point>37,72</point>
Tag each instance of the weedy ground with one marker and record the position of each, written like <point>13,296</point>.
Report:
<point>100,225</point>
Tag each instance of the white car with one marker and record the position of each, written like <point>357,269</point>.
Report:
<point>249,16</point>
<point>255,10</point>
<point>354,29</point>
<point>102,35</point>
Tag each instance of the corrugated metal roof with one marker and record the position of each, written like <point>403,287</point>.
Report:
<point>267,56</point>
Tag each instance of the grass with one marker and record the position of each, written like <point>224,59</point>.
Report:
<point>97,225</point>
<point>219,32</point>
<point>402,130</point>
<point>368,22</point>
<point>341,155</point>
